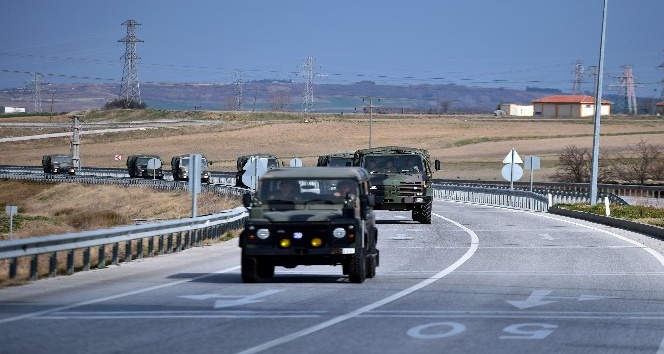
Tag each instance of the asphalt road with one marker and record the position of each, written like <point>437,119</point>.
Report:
<point>477,280</point>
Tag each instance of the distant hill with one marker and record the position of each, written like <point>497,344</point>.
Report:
<point>276,95</point>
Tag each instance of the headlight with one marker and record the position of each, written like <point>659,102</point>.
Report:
<point>263,233</point>
<point>339,232</point>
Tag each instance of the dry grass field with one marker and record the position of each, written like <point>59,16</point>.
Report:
<point>470,147</point>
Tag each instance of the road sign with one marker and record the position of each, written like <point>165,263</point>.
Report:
<point>295,162</point>
<point>512,157</point>
<point>253,170</point>
<point>154,164</point>
<point>118,157</point>
<point>532,163</point>
<point>514,175</point>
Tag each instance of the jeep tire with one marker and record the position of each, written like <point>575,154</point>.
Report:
<point>249,269</point>
<point>357,271</point>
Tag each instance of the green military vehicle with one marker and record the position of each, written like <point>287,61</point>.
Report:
<point>400,178</point>
<point>337,159</point>
<point>137,166</point>
<point>180,168</point>
<point>272,162</point>
<point>310,216</point>
<point>58,163</point>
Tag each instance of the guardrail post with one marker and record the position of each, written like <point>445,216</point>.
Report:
<point>116,253</point>
<point>13,266</point>
<point>139,248</point>
<point>53,265</point>
<point>151,247</point>
<point>34,263</point>
<point>70,262</point>
<point>161,244</point>
<point>101,261</point>
<point>86,259</point>
<point>178,242</point>
<point>128,251</point>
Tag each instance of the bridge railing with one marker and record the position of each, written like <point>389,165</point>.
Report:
<point>114,244</point>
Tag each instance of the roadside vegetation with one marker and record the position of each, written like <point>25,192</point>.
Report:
<point>58,208</point>
<point>645,214</point>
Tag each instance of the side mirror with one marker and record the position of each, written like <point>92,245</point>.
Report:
<point>246,200</point>
<point>437,165</point>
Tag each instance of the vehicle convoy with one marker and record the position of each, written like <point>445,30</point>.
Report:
<point>272,162</point>
<point>137,166</point>
<point>180,168</point>
<point>310,216</point>
<point>337,159</point>
<point>58,163</point>
<point>400,179</point>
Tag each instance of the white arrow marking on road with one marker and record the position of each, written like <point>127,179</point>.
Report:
<point>548,237</point>
<point>234,300</point>
<point>536,298</point>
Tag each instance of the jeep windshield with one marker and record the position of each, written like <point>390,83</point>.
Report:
<point>393,164</point>
<point>184,162</point>
<point>307,191</point>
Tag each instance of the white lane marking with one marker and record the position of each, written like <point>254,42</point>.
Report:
<point>112,297</point>
<point>654,253</point>
<point>661,348</point>
<point>474,243</point>
<point>548,237</point>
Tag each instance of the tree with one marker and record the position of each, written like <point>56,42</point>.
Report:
<point>123,103</point>
<point>640,163</point>
<point>575,165</point>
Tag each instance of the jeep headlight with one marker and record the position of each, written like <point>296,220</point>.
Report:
<point>339,232</point>
<point>263,234</point>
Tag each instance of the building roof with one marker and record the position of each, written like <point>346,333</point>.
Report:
<point>660,103</point>
<point>581,99</point>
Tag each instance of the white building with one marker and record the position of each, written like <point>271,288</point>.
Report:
<point>4,110</point>
<point>513,109</point>
<point>569,106</point>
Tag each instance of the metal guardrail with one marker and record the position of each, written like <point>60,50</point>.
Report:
<point>492,196</point>
<point>161,237</point>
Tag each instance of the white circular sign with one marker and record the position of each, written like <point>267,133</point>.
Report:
<point>516,172</point>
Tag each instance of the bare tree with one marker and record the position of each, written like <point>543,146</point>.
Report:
<point>574,164</point>
<point>279,99</point>
<point>639,164</point>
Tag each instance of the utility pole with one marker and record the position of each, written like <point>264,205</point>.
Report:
<point>371,107</point>
<point>130,88</point>
<point>578,78</point>
<point>76,144</point>
<point>36,85</point>
<point>239,88</point>
<point>598,111</point>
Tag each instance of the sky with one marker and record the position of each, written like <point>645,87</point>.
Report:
<point>486,43</point>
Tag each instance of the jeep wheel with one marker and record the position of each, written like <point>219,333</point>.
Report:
<point>416,214</point>
<point>358,267</point>
<point>249,270</point>
<point>265,269</point>
<point>425,213</point>
<point>371,266</point>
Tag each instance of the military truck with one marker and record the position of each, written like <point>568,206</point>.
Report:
<point>272,162</point>
<point>337,159</point>
<point>58,163</point>
<point>327,219</point>
<point>137,167</point>
<point>400,178</point>
<point>180,168</point>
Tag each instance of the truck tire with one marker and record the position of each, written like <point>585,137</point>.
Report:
<point>249,270</point>
<point>425,213</point>
<point>358,267</point>
<point>371,265</point>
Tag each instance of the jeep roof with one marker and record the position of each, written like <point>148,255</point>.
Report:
<point>356,173</point>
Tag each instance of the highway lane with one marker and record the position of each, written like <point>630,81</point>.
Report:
<point>479,279</point>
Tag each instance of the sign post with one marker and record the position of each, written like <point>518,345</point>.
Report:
<point>512,171</point>
<point>11,210</point>
<point>154,164</point>
<point>532,163</point>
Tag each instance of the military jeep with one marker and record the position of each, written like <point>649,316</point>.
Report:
<point>58,163</point>
<point>316,224</point>
<point>337,159</point>
<point>137,166</point>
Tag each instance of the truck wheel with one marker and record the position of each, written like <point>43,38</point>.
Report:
<point>425,213</point>
<point>358,267</point>
<point>249,270</point>
<point>416,214</point>
<point>265,269</point>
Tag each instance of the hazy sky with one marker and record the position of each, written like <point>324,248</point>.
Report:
<point>491,43</point>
